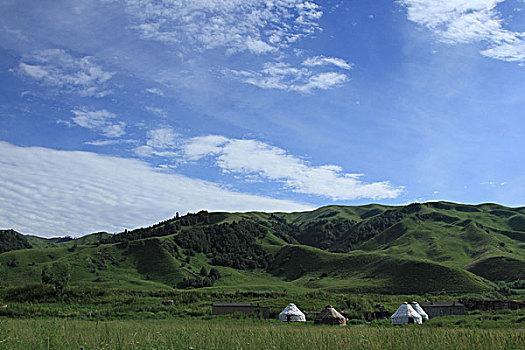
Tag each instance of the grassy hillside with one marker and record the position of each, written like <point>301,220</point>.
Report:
<point>420,248</point>
<point>371,272</point>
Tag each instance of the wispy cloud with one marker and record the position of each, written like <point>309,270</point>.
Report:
<point>156,110</point>
<point>162,138</point>
<point>159,143</point>
<point>155,91</point>
<point>51,192</point>
<point>100,121</point>
<point>236,25</point>
<point>472,21</point>
<point>109,142</point>
<point>66,73</point>
<point>258,160</point>
<point>263,28</point>
<point>494,183</point>
<point>282,76</point>
<point>13,34</point>
<point>327,61</point>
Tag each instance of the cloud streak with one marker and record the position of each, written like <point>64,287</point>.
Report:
<point>259,161</point>
<point>282,76</point>
<point>52,192</point>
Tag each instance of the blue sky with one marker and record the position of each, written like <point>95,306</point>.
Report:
<point>118,113</point>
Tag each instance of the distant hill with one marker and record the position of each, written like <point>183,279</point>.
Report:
<point>41,242</point>
<point>419,248</point>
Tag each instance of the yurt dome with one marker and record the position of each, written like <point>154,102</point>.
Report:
<point>406,314</point>
<point>291,313</point>
<point>419,310</point>
<point>331,316</point>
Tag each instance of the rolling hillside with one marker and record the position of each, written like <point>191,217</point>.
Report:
<point>420,248</point>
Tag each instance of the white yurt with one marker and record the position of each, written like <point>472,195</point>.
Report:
<point>291,313</point>
<point>406,314</point>
<point>419,310</point>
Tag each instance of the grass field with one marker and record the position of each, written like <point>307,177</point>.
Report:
<point>243,334</point>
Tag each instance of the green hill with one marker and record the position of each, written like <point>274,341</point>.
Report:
<point>420,248</point>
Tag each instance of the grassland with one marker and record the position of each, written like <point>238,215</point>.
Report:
<point>244,334</point>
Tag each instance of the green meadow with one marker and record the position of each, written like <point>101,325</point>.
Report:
<point>243,334</point>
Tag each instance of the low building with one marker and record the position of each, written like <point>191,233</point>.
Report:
<point>239,308</point>
<point>443,308</point>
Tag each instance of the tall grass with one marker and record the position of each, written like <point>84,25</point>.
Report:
<point>242,334</point>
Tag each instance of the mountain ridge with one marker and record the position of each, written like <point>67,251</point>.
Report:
<point>450,247</point>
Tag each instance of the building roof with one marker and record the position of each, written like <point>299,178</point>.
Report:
<point>232,304</point>
<point>441,304</point>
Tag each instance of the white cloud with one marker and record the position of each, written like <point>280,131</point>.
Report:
<point>162,138</point>
<point>159,143</point>
<point>99,121</point>
<point>60,70</point>
<point>321,81</point>
<point>155,91</point>
<point>469,21</point>
<point>202,146</point>
<point>51,192</point>
<point>323,61</point>
<point>256,26</point>
<point>282,76</point>
<point>256,159</point>
<point>156,110</point>
<point>510,52</point>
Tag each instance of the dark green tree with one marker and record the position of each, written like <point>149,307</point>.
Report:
<point>4,276</point>
<point>57,275</point>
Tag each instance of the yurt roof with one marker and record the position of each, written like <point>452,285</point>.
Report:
<point>330,312</point>
<point>406,310</point>
<point>291,309</point>
<point>419,309</point>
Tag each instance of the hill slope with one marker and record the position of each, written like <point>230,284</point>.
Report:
<point>419,248</point>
